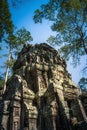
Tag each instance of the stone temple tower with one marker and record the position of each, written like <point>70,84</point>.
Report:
<point>41,94</point>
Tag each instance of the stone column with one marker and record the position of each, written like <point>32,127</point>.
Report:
<point>5,117</point>
<point>54,122</point>
<point>82,110</point>
<point>54,109</point>
<point>62,105</point>
<point>33,115</point>
<point>39,80</point>
<point>45,78</point>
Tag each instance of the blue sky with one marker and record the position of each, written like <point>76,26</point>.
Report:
<point>22,16</point>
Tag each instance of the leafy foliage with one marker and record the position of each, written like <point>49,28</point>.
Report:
<point>1,81</point>
<point>15,43</point>
<point>23,36</point>
<point>70,21</point>
<point>6,25</point>
<point>16,2</point>
<point>14,40</point>
<point>83,84</point>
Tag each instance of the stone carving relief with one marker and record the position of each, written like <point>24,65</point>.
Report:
<point>38,94</point>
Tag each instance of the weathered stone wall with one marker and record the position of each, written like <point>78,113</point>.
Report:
<point>41,94</point>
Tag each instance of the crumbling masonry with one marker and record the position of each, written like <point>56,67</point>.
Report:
<point>41,94</point>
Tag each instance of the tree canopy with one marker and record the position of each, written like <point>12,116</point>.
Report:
<point>6,24</point>
<point>13,40</point>
<point>83,84</point>
<point>18,39</point>
<point>69,19</point>
<point>15,43</point>
<point>1,82</point>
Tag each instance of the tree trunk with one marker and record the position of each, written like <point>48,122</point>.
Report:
<point>22,109</point>
<point>7,69</point>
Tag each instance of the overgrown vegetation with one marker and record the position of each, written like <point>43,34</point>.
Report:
<point>83,85</point>
<point>12,39</point>
<point>69,19</point>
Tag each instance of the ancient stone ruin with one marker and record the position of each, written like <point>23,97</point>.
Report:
<point>41,94</point>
